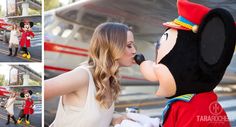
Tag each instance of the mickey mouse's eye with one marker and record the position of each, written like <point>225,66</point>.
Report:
<point>166,35</point>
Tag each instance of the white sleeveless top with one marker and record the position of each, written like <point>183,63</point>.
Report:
<point>10,105</point>
<point>91,115</point>
<point>13,38</point>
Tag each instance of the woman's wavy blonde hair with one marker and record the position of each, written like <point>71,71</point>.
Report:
<point>14,26</point>
<point>106,47</point>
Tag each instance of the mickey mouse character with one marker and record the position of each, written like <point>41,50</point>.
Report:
<point>192,56</point>
<point>26,36</point>
<point>28,106</point>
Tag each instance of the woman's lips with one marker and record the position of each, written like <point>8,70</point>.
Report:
<point>133,61</point>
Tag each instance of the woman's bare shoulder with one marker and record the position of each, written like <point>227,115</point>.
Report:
<point>80,73</point>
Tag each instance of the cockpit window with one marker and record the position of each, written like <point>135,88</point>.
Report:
<point>56,30</point>
<point>83,35</point>
<point>71,15</point>
<point>63,30</point>
<point>67,31</point>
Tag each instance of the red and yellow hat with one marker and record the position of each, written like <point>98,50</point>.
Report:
<point>190,16</point>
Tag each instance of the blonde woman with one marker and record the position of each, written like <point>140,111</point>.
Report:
<point>89,91</point>
<point>13,42</point>
<point>10,108</point>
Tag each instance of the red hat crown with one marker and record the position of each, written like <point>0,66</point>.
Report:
<point>190,15</point>
<point>192,11</point>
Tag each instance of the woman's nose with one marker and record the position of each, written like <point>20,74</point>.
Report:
<point>134,50</point>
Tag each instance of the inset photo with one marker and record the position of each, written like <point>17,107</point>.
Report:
<point>21,95</point>
<point>20,31</point>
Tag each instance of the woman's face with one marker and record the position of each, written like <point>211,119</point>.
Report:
<point>130,51</point>
<point>14,26</point>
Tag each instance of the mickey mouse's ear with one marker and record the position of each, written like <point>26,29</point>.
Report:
<point>22,24</point>
<point>217,41</point>
<point>31,24</point>
<point>22,94</point>
<point>30,92</point>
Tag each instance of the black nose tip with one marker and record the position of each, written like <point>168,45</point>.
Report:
<point>139,58</point>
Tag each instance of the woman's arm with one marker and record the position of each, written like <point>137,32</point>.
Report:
<point>9,28</point>
<point>65,83</point>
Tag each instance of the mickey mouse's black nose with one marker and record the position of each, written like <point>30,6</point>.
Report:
<point>139,58</point>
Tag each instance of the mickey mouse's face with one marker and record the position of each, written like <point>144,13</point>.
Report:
<point>27,26</point>
<point>192,60</point>
<point>167,86</point>
<point>27,95</point>
<point>166,43</point>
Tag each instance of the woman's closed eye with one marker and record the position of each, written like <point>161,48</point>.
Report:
<point>131,45</point>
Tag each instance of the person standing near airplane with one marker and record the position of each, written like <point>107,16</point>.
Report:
<point>10,108</point>
<point>14,41</point>
<point>88,92</point>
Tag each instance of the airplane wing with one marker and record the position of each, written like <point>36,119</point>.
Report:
<point>3,24</point>
<point>3,91</point>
